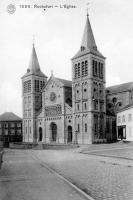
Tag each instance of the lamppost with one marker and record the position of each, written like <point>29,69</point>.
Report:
<point>76,137</point>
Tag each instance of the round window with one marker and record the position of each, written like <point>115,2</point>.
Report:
<point>85,90</point>
<point>52,96</point>
<point>114,100</point>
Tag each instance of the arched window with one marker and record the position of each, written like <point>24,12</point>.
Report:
<point>119,120</point>
<point>78,128</point>
<point>78,106</point>
<point>75,71</point>
<point>96,68</point>
<point>85,106</point>
<point>93,67</point>
<point>86,68</point>
<point>85,128</point>
<point>83,68</point>
<point>123,118</point>
<point>129,117</point>
<point>101,69</point>
<point>78,70</point>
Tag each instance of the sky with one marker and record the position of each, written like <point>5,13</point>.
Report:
<point>57,36</point>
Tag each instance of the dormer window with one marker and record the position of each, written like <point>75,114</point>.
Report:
<point>28,70</point>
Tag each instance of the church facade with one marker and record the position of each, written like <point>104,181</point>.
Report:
<point>62,111</point>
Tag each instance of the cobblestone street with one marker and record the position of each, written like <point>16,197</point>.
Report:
<point>103,171</point>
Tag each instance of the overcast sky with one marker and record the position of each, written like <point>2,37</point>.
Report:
<point>58,34</point>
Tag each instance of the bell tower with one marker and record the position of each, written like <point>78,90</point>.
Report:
<point>32,83</point>
<point>88,91</point>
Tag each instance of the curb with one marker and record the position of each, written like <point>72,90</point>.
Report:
<point>80,191</point>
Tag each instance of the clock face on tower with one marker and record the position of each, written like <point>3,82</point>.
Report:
<point>52,96</point>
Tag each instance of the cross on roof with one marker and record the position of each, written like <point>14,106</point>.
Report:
<point>88,4</point>
<point>33,39</point>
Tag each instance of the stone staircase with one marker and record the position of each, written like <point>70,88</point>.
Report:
<point>41,146</point>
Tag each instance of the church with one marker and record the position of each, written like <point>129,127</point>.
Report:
<point>62,111</point>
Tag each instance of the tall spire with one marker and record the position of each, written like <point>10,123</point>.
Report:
<point>34,64</point>
<point>88,40</point>
<point>88,44</point>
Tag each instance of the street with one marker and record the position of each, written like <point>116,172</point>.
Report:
<point>24,177</point>
<point>102,172</point>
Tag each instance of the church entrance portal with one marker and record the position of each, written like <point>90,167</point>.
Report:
<point>53,127</point>
<point>40,134</point>
<point>69,138</point>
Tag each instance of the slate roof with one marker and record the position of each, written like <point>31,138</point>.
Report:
<point>9,116</point>
<point>34,67</point>
<point>34,73</point>
<point>88,39</point>
<point>125,108</point>
<point>66,83</point>
<point>119,88</point>
<point>86,51</point>
<point>88,44</point>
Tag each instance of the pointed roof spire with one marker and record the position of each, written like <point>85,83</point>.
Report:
<point>88,40</point>
<point>52,73</point>
<point>34,64</point>
<point>88,44</point>
<point>34,67</point>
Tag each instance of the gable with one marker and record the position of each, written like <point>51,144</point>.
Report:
<point>53,92</point>
<point>52,81</point>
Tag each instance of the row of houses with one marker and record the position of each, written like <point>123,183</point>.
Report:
<point>10,128</point>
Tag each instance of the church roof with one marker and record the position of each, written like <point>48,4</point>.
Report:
<point>9,116</point>
<point>126,107</point>
<point>119,88</point>
<point>88,40</point>
<point>34,67</point>
<point>88,44</point>
<point>65,82</point>
<point>86,51</point>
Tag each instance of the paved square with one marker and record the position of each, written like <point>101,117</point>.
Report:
<point>105,172</point>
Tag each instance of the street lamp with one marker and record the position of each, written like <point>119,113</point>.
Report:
<point>76,133</point>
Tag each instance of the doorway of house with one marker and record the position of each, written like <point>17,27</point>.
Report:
<point>121,132</point>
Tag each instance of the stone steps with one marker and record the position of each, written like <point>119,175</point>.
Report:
<point>52,146</point>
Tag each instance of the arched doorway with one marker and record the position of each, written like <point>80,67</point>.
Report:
<point>40,134</point>
<point>53,128</point>
<point>69,138</point>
